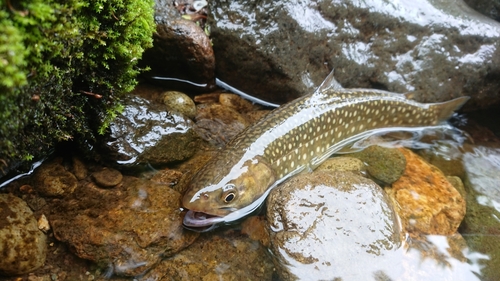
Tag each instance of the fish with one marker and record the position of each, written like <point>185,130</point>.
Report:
<point>295,138</point>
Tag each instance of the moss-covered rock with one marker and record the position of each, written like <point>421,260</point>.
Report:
<point>63,67</point>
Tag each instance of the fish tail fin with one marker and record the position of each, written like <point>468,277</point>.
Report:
<point>445,110</point>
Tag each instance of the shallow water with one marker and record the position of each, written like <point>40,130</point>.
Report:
<point>432,258</point>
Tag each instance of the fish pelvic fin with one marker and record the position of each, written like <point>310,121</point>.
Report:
<point>445,110</point>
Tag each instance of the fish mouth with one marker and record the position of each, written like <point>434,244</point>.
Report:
<point>200,220</point>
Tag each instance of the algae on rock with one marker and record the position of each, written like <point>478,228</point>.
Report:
<point>63,68</point>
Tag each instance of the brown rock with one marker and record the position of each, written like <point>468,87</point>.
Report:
<point>255,228</point>
<point>236,102</point>
<point>107,177</point>
<point>216,257</point>
<point>79,169</point>
<point>52,179</point>
<point>179,102</point>
<point>425,200</point>
<point>131,226</point>
<point>167,176</point>
<point>218,124</point>
<point>23,247</point>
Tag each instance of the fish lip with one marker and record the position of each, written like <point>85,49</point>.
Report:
<point>200,219</point>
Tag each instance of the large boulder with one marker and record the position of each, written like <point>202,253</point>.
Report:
<point>279,50</point>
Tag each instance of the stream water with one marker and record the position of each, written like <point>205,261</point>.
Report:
<point>474,157</point>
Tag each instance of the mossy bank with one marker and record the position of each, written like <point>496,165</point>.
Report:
<point>63,67</point>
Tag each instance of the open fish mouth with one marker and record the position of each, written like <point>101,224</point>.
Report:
<point>200,220</point>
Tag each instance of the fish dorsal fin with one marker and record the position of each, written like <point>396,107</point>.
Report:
<point>409,95</point>
<point>329,83</point>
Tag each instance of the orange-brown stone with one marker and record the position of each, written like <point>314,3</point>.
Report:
<point>425,200</point>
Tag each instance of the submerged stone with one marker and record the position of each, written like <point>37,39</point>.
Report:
<point>322,224</point>
<point>130,227</point>
<point>216,257</point>
<point>342,164</point>
<point>178,102</point>
<point>384,164</point>
<point>425,200</point>
<point>52,179</point>
<point>481,227</point>
<point>107,177</point>
<point>23,247</point>
<point>218,124</point>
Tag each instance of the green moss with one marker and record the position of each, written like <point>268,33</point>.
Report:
<point>64,65</point>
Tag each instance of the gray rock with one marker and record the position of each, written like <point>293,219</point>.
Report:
<point>279,50</point>
<point>23,247</point>
<point>323,224</point>
<point>490,8</point>
<point>148,133</point>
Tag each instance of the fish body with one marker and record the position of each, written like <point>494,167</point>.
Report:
<point>297,137</point>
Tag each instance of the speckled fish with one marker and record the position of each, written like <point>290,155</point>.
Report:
<point>298,137</point>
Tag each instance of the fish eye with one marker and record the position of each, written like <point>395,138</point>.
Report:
<point>229,193</point>
<point>229,197</point>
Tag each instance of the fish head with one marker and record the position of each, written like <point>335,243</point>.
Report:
<point>231,196</point>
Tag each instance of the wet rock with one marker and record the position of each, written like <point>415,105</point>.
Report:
<point>23,247</point>
<point>424,199</point>
<point>481,227</point>
<point>167,176</point>
<point>145,133</point>
<point>181,49</point>
<point>343,164</point>
<point>107,177</point>
<point>321,224</point>
<point>255,228</point>
<point>430,48</point>
<point>218,124</point>
<point>384,164</point>
<point>438,257</point>
<point>130,227</point>
<point>216,257</point>
<point>52,179</point>
<point>482,166</point>
<point>236,102</point>
<point>180,103</point>
<point>489,8</point>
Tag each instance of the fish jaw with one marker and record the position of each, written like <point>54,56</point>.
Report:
<point>247,183</point>
<point>194,219</point>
